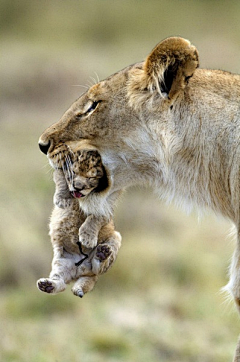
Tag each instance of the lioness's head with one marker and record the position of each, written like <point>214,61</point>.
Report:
<point>117,114</point>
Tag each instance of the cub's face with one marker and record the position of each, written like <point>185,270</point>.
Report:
<point>82,168</point>
<point>83,172</point>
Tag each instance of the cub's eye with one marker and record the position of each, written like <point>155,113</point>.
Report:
<point>90,109</point>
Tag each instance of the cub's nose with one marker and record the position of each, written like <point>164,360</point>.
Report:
<point>44,147</point>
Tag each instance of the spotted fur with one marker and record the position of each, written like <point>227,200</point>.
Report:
<point>84,246</point>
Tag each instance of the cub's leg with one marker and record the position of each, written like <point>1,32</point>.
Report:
<point>89,230</point>
<point>52,285</point>
<point>62,196</point>
<point>105,253</point>
<point>101,259</point>
<point>63,271</point>
<point>98,262</point>
<point>84,285</point>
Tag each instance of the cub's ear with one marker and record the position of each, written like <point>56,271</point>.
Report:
<point>170,65</point>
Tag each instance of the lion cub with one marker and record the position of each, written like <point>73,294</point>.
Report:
<point>83,246</point>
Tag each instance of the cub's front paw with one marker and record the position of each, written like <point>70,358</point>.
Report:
<point>62,203</point>
<point>87,238</point>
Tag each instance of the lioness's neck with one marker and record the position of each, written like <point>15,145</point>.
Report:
<point>198,151</point>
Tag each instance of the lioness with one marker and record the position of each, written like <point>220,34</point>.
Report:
<point>166,123</point>
<point>79,172</point>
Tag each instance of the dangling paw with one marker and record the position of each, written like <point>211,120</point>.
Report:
<point>102,259</point>
<point>51,286</point>
<point>103,252</point>
<point>87,237</point>
<point>61,202</point>
<point>84,285</point>
<point>78,292</point>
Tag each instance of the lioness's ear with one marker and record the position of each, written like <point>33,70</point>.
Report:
<point>170,65</point>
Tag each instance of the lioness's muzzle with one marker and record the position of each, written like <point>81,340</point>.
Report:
<point>44,147</point>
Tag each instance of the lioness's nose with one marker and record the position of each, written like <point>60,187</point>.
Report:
<point>44,147</point>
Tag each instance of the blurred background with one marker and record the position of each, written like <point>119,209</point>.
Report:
<point>161,301</point>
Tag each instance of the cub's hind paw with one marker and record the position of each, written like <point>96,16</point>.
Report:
<point>102,259</point>
<point>45,285</point>
<point>103,252</point>
<point>51,286</point>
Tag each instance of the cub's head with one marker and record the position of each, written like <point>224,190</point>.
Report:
<point>116,115</point>
<point>84,172</point>
<point>82,168</point>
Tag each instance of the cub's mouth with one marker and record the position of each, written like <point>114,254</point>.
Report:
<point>78,194</point>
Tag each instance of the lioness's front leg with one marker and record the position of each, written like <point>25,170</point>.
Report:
<point>237,352</point>
<point>234,283</point>
<point>89,230</point>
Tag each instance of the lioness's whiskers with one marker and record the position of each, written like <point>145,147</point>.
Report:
<point>93,80</point>
<point>98,80</point>
<point>89,84</point>
<point>80,85</point>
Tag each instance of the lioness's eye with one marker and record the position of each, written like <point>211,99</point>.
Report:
<point>90,109</point>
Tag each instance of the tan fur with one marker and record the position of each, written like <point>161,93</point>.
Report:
<point>83,171</point>
<point>168,124</point>
<point>237,352</point>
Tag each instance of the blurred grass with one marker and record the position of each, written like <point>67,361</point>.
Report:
<point>161,300</point>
